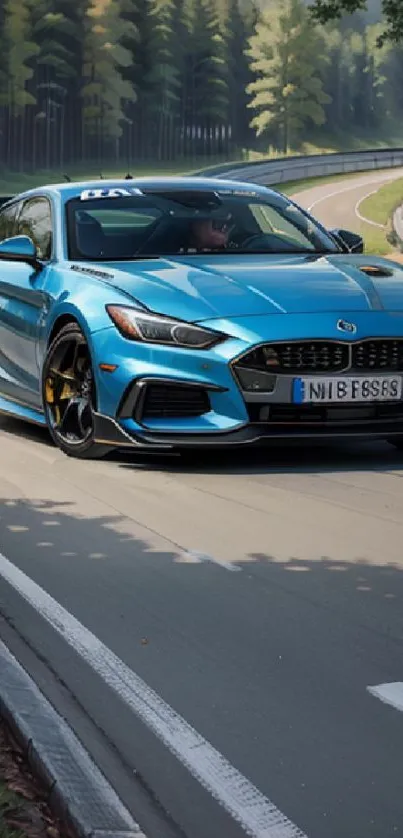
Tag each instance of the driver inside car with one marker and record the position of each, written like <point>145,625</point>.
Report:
<point>207,234</point>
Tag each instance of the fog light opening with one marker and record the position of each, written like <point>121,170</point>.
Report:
<point>256,381</point>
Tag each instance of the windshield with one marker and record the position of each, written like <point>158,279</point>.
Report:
<point>151,224</point>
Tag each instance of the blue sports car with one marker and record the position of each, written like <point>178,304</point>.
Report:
<point>187,312</point>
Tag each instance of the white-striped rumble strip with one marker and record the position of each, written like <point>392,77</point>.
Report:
<point>257,816</point>
<point>389,693</point>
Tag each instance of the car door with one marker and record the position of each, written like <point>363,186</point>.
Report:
<point>7,230</point>
<point>23,305</point>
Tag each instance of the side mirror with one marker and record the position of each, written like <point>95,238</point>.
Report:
<point>350,242</point>
<point>20,249</point>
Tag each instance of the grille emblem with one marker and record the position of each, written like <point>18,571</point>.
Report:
<point>345,326</point>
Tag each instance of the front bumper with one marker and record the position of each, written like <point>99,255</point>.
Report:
<point>232,417</point>
<point>109,431</point>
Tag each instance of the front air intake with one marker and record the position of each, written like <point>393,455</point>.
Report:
<point>173,401</point>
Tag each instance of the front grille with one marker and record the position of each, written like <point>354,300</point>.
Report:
<point>163,401</point>
<point>305,356</point>
<point>378,355</point>
<point>320,356</point>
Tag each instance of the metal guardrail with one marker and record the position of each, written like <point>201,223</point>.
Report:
<point>286,169</point>
<point>280,170</point>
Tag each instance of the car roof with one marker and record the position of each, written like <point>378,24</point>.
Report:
<point>67,191</point>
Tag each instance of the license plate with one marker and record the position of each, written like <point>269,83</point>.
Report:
<point>382,388</point>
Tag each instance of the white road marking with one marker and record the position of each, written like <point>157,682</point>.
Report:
<point>257,816</point>
<point>379,180</point>
<point>389,693</point>
<point>363,217</point>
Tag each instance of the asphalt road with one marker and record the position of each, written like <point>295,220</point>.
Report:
<point>259,596</point>
<point>338,204</point>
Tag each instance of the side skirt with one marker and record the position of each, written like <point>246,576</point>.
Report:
<point>8,407</point>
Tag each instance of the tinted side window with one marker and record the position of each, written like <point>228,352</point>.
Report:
<point>35,221</point>
<point>7,218</point>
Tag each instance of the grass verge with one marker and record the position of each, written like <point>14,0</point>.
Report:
<point>23,809</point>
<point>379,208</point>
<point>14,182</point>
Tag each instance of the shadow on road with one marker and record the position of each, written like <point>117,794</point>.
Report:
<point>270,663</point>
<point>275,458</point>
<point>86,555</point>
<point>18,428</point>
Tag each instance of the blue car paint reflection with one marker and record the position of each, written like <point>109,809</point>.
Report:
<point>253,299</point>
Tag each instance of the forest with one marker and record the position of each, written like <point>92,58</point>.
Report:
<point>124,81</point>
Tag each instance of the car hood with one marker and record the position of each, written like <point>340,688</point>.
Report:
<point>200,288</point>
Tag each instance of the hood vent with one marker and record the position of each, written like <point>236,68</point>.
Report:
<point>376,271</point>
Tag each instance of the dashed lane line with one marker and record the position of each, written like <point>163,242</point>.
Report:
<point>391,694</point>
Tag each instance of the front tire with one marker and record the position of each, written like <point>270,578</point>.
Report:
<point>69,397</point>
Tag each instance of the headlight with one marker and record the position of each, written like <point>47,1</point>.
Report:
<point>153,328</point>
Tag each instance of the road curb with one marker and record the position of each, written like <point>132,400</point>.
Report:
<point>79,794</point>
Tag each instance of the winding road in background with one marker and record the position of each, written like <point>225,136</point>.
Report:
<point>339,204</point>
<point>259,595</point>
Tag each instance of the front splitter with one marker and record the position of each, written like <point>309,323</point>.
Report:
<point>109,432</point>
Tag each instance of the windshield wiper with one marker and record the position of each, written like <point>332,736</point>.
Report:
<point>265,253</point>
<point>135,258</point>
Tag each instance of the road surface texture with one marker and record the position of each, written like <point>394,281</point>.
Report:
<point>211,628</point>
<point>339,204</point>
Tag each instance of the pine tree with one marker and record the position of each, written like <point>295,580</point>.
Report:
<point>134,15</point>
<point>393,86</point>
<point>325,10</point>
<point>57,31</point>
<point>105,92</point>
<point>137,79</point>
<point>287,95</point>
<point>376,86</point>
<point>21,49</point>
<point>4,90</point>
<point>236,26</point>
<point>207,78</point>
<point>164,78</point>
<point>338,77</point>
<point>242,20</point>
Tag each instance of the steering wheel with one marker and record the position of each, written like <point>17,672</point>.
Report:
<point>252,242</point>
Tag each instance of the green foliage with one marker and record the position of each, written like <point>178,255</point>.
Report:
<point>3,62</point>
<point>380,206</point>
<point>104,90</point>
<point>287,94</point>
<point>327,10</point>
<point>164,46</point>
<point>129,80</point>
<point>20,49</point>
<point>163,79</point>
